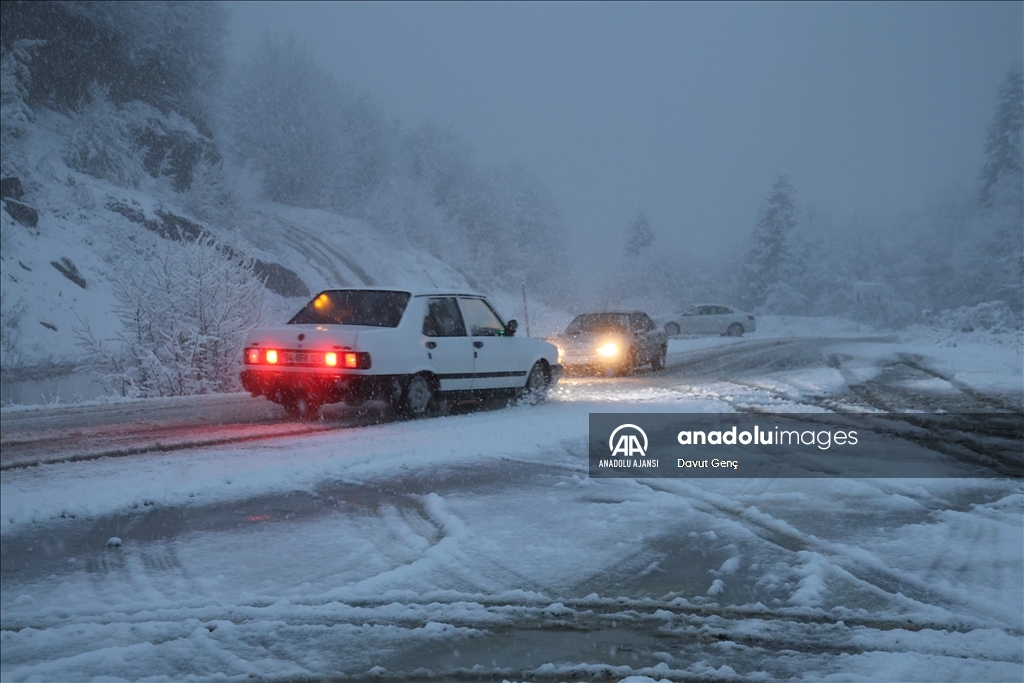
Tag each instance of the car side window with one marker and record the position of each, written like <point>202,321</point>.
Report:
<point>722,310</point>
<point>443,319</point>
<point>706,310</point>
<point>640,322</point>
<point>483,321</point>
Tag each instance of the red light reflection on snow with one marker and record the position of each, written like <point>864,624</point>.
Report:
<point>258,518</point>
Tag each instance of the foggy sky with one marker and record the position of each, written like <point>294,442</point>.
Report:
<point>685,110</point>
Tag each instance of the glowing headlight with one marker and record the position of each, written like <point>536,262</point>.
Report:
<point>608,349</point>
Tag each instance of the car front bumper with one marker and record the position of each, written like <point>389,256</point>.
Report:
<point>589,361</point>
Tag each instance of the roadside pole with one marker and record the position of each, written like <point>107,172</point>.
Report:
<point>526,311</point>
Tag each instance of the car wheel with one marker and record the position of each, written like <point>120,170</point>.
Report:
<point>302,408</point>
<point>734,330</point>
<point>417,397</point>
<point>658,362</point>
<point>536,388</point>
<point>672,329</point>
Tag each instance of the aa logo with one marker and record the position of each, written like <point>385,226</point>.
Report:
<point>628,444</point>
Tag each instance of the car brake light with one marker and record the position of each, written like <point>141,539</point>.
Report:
<point>331,358</point>
<point>356,360</point>
<point>271,356</point>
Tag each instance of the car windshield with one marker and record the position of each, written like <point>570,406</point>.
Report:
<point>354,307</point>
<point>598,322</point>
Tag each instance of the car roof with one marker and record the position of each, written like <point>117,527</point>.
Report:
<point>611,313</point>
<point>409,290</point>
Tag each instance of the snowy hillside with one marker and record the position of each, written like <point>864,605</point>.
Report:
<point>59,275</point>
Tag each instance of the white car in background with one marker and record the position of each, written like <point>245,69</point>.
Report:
<point>708,319</point>
<point>402,346</point>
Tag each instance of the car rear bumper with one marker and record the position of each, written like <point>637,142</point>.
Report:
<point>325,387</point>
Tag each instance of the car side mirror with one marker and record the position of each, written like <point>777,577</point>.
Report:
<point>510,328</point>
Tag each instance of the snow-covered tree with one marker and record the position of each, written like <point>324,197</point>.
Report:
<point>15,86</point>
<point>639,234</point>
<point>768,252</point>
<point>316,143</point>
<point>123,143</point>
<point>532,246</point>
<point>210,196</point>
<point>997,259</point>
<point>11,313</point>
<point>101,142</point>
<point>183,319</point>
<point>1002,176</point>
<point>167,53</point>
<point>442,163</point>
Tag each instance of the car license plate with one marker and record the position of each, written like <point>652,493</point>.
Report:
<point>300,357</point>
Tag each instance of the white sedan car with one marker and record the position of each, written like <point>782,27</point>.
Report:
<point>708,319</point>
<point>402,346</point>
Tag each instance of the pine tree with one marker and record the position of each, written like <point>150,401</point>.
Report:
<point>768,252</point>
<point>639,235</point>
<point>1003,148</point>
<point>997,260</point>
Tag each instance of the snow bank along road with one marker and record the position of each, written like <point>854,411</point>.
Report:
<point>474,546</point>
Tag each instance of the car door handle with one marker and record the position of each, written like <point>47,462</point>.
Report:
<point>431,345</point>
<point>478,344</point>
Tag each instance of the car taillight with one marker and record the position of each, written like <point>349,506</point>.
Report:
<point>252,356</point>
<point>271,356</point>
<point>357,360</point>
<point>331,359</point>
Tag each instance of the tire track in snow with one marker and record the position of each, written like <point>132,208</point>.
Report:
<point>897,586</point>
<point>300,239</point>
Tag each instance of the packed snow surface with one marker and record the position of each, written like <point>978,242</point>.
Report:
<point>418,546</point>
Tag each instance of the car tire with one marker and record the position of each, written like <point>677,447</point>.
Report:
<point>536,388</point>
<point>417,396</point>
<point>672,329</point>
<point>658,362</point>
<point>734,330</point>
<point>302,408</point>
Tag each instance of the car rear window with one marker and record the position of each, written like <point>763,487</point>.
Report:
<point>598,322</point>
<point>354,307</point>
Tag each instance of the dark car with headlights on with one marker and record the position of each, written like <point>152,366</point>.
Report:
<point>616,342</point>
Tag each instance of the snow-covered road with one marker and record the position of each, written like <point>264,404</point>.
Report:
<point>475,546</point>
